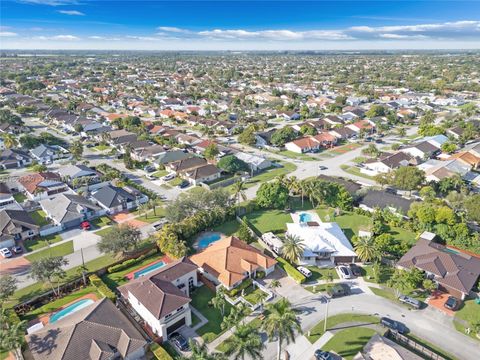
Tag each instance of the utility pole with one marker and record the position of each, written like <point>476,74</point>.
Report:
<point>326,317</point>
<point>83,268</point>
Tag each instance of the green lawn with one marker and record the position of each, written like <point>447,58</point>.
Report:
<point>175,182</point>
<point>117,279</point>
<point>41,242</point>
<point>272,173</point>
<point>385,293</point>
<point>254,296</point>
<point>160,173</point>
<point>39,217</point>
<point>269,220</point>
<point>200,301</point>
<point>385,272</point>
<point>470,313</point>
<point>101,221</point>
<point>58,250</point>
<point>317,331</point>
<point>355,171</point>
<point>294,155</point>
<point>20,197</point>
<point>151,217</point>
<point>228,228</point>
<point>403,235</point>
<point>348,342</point>
<point>322,273</point>
<point>319,288</point>
<point>54,305</point>
<point>350,222</point>
<point>103,232</point>
<point>101,147</point>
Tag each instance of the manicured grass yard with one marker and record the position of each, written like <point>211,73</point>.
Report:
<point>175,182</point>
<point>254,296</point>
<point>470,313</point>
<point>103,232</point>
<point>160,173</point>
<point>317,331</point>
<point>39,243</point>
<point>54,305</point>
<point>101,221</point>
<point>272,173</point>
<point>384,273</point>
<point>101,147</point>
<point>58,250</point>
<point>347,343</point>
<point>355,171</point>
<point>294,155</point>
<point>39,217</point>
<point>269,220</point>
<point>322,273</point>
<point>151,217</point>
<point>200,301</point>
<point>20,197</point>
<point>228,228</point>
<point>387,294</point>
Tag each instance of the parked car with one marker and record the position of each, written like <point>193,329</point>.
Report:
<point>452,303</point>
<point>379,141</point>
<point>345,272</point>
<point>85,225</point>
<point>169,177</point>
<point>322,355</point>
<point>16,249</point>
<point>417,304</point>
<point>184,184</point>
<point>338,290</point>
<point>304,271</point>
<point>355,269</point>
<point>5,253</point>
<point>322,167</point>
<point>394,325</point>
<point>179,341</point>
<point>151,177</point>
<point>149,168</point>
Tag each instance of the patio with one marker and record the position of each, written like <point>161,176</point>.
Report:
<point>437,301</point>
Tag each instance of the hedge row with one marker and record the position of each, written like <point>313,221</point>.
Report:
<point>127,263</point>
<point>291,271</point>
<point>159,352</point>
<point>238,289</point>
<point>102,288</point>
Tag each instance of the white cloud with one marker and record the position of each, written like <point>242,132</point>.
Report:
<point>65,37</point>
<point>172,29</point>
<point>71,12</point>
<point>7,34</point>
<point>277,35</point>
<point>143,38</point>
<point>50,2</point>
<point>402,37</point>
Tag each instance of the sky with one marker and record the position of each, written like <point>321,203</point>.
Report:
<point>239,25</point>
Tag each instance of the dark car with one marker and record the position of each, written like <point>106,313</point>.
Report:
<point>184,184</point>
<point>322,355</point>
<point>394,325</point>
<point>355,269</point>
<point>16,249</point>
<point>379,141</point>
<point>452,303</point>
<point>338,290</point>
<point>321,167</point>
<point>179,341</point>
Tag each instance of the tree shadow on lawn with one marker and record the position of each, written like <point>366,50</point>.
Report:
<point>352,326</point>
<point>358,345</point>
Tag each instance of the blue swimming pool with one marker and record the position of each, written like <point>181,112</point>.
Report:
<point>305,217</point>
<point>70,309</point>
<point>208,239</point>
<point>148,269</point>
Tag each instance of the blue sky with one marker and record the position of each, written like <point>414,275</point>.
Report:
<point>239,25</point>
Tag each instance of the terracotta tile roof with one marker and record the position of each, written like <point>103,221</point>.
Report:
<point>228,260</point>
<point>306,142</point>
<point>466,157</point>
<point>31,182</point>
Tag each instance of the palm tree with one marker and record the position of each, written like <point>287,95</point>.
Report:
<point>239,191</point>
<point>152,204</point>
<point>9,140</point>
<point>245,341</point>
<point>237,313</point>
<point>275,284</point>
<point>200,352</point>
<point>144,209</point>
<point>11,334</point>
<point>281,323</point>
<point>293,248</point>
<point>366,249</point>
<point>219,301</point>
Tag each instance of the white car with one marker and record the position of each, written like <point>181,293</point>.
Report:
<point>5,253</point>
<point>168,177</point>
<point>345,272</point>
<point>151,177</point>
<point>304,271</point>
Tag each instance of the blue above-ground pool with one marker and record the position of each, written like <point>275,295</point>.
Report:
<point>207,239</point>
<point>148,269</point>
<point>305,217</point>
<point>70,309</point>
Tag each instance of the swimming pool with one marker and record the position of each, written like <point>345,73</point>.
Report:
<point>305,217</point>
<point>208,239</point>
<point>70,309</point>
<point>148,269</point>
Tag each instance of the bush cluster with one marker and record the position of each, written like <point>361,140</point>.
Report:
<point>102,288</point>
<point>291,271</point>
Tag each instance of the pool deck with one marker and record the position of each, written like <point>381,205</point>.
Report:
<point>313,216</point>
<point>44,319</point>
<point>165,259</point>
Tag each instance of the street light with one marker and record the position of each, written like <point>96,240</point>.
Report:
<point>326,317</point>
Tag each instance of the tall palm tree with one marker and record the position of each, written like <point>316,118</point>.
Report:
<point>152,204</point>
<point>9,140</point>
<point>219,301</point>
<point>275,284</point>
<point>144,209</point>
<point>366,249</point>
<point>11,334</point>
<point>293,248</point>
<point>281,323</point>
<point>245,341</point>
<point>239,191</point>
<point>200,352</point>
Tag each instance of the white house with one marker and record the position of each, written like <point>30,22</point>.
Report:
<point>161,298</point>
<point>254,162</point>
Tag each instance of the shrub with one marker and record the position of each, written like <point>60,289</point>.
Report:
<point>159,352</point>
<point>260,274</point>
<point>235,291</point>
<point>102,288</point>
<point>127,263</point>
<point>291,271</point>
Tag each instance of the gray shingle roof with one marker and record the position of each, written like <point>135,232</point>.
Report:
<point>112,196</point>
<point>66,207</point>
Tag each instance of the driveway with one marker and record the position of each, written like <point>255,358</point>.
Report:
<point>85,239</point>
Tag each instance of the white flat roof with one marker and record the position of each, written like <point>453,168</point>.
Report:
<point>325,237</point>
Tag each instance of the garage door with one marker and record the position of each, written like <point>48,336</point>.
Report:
<point>175,326</point>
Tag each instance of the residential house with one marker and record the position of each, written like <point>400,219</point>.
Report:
<point>351,186</point>
<point>120,137</point>
<point>423,150</point>
<point>16,225</point>
<point>263,139</point>
<point>42,185</point>
<point>46,154</point>
<point>229,261</point>
<point>254,162</point>
<point>7,201</point>
<point>383,200</point>
<point>149,153</point>
<point>303,145</point>
<point>115,199</point>
<point>78,173</point>
<point>455,271</point>
<point>380,347</point>
<point>97,331</point>
<point>171,156</point>
<point>323,242</point>
<point>185,164</point>
<point>343,132</point>
<point>14,158</point>
<point>387,163</point>
<point>161,298</point>
<point>202,174</point>
<point>69,210</point>
<point>367,126</point>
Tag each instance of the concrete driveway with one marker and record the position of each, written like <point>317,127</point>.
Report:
<point>85,239</point>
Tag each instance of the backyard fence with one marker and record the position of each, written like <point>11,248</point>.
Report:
<point>414,345</point>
